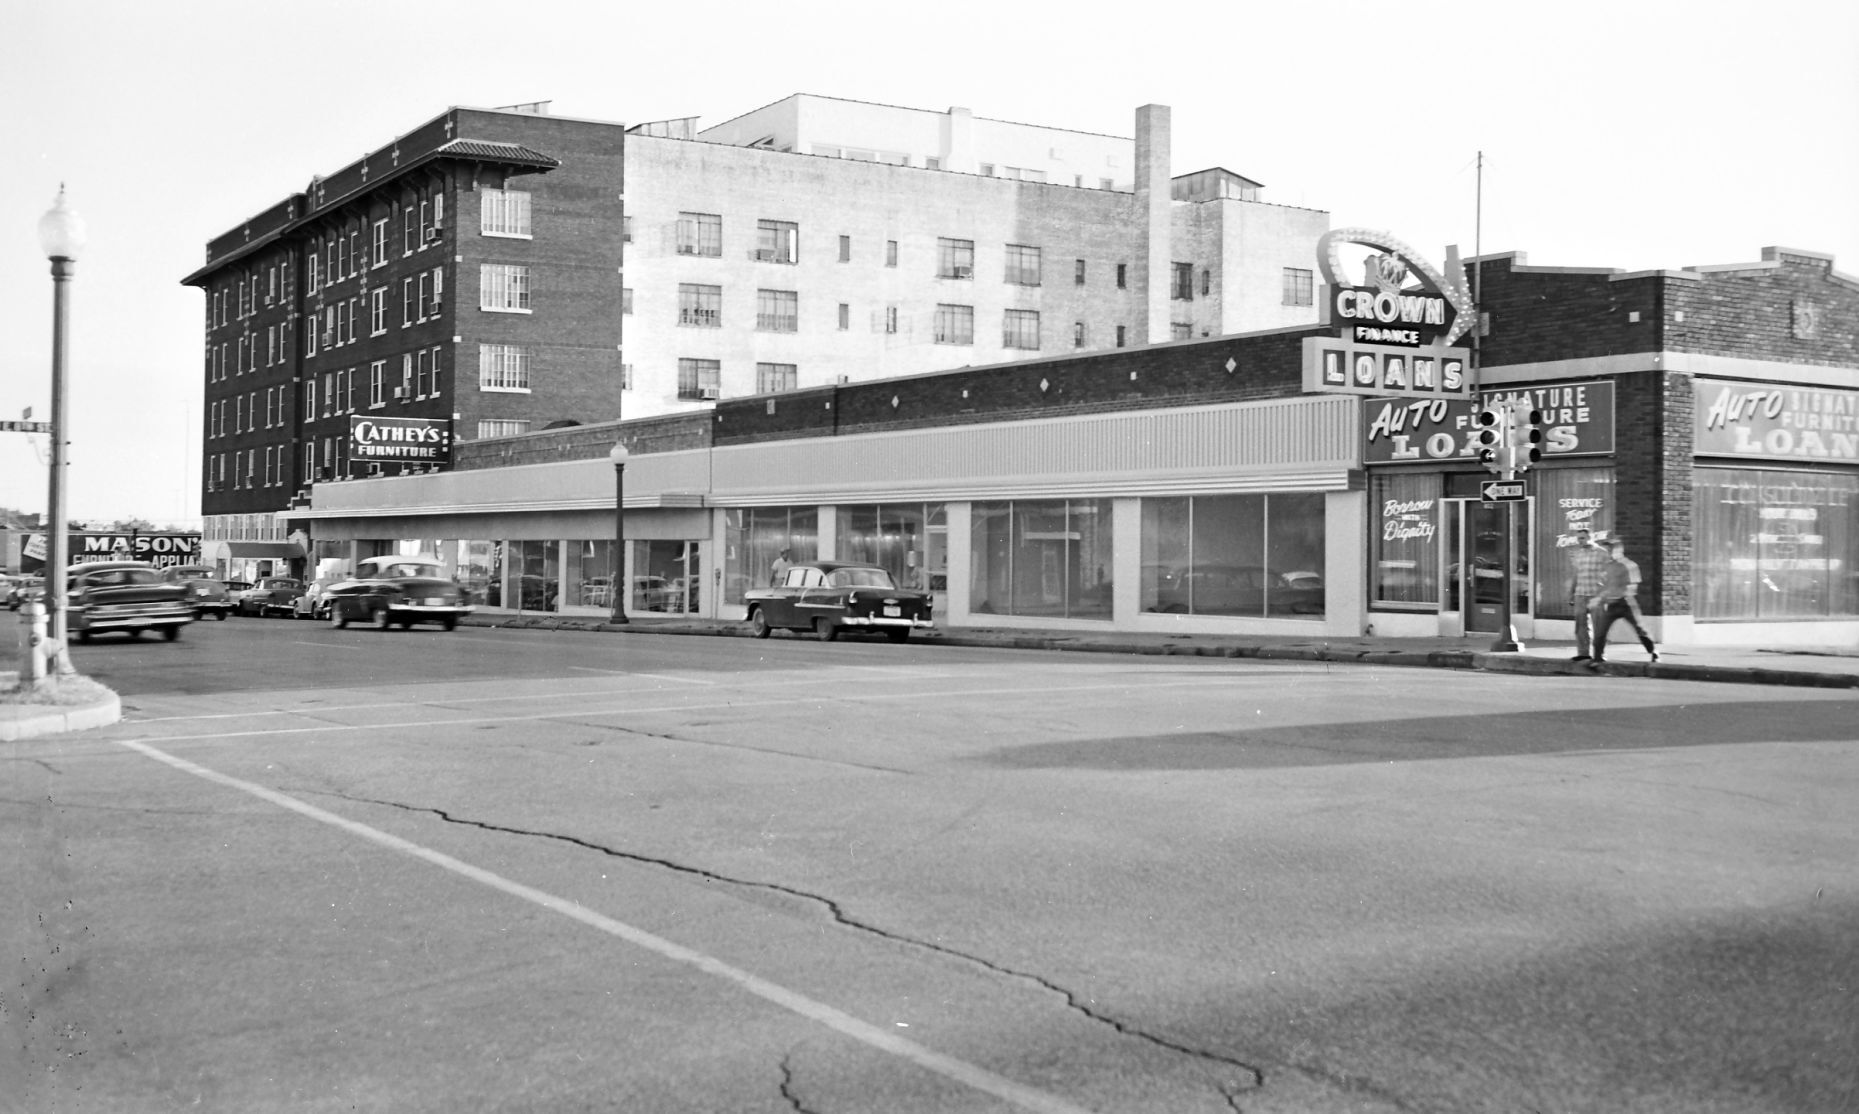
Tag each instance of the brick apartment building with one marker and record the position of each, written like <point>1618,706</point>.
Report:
<point>494,273</point>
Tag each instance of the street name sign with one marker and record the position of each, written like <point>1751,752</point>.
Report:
<point>1503,491</point>
<point>26,427</point>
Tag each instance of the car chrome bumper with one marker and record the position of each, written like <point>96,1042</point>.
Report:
<point>884,621</point>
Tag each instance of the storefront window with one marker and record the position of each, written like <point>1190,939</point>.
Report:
<point>667,576</point>
<point>1404,549</point>
<point>1244,555</point>
<point>1046,558</point>
<point>479,568</point>
<point>755,536</point>
<point>537,581</point>
<point>1567,499</point>
<point>1775,544</point>
<point>893,535</point>
<point>587,575</point>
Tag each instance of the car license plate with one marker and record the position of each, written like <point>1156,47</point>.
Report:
<point>893,612</point>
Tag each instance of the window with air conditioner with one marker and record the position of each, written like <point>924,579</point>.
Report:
<point>699,379</point>
<point>777,241</point>
<point>955,258</point>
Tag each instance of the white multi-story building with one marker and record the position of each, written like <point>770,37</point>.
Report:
<point>819,240</point>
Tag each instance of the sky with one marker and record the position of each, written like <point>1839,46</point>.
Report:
<point>1629,134</point>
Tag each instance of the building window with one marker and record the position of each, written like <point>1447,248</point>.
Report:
<point>890,319</point>
<point>1022,265</point>
<point>777,311</point>
<point>503,367</point>
<point>501,427</point>
<point>626,299</point>
<point>1123,276</point>
<point>626,229</point>
<point>309,398</point>
<point>700,306</point>
<point>777,241</point>
<point>504,213</point>
<point>1240,555</point>
<point>1298,288</point>
<point>890,253</point>
<point>377,311</point>
<point>503,288</point>
<point>770,378</point>
<point>1121,334</point>
<point>1050,558</point>
<point>1020,329</point>
<point>1077,272</point>
<point>1181,289</point>
<point>626,377</point>
<point>955,258</point>
<point>1078,334</point>
<point>377,383</point>
<point>699,379</point>
<point>845,249</point>
<point>700,234</point>
<point>1207,281</point>
<point>845,316</point>
<point>955,324</point>
<point>380,243</point>
<point>1180,330</point>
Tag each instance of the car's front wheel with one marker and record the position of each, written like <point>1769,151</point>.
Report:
<point>826,629</point>
<point>171,633</point>
<point>377,617</point>
<point>758,623</point>
<point>338,616</point>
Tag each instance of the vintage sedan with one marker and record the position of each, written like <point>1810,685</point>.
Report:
<point>23,588</point>
<point>272,595</point>
<point>125,596</point>
<point>205,590</point>
<point>827,597</point>
<point>398,591</point>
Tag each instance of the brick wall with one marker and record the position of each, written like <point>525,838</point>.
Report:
<point>668,433</point>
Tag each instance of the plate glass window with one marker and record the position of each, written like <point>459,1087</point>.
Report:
<point>505,213</point>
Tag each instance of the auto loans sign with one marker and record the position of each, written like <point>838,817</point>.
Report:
<point>1776,423</point>
<point>419,440</point>
<point>1578,420</point>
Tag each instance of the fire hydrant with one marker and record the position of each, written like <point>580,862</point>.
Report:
<point>40,649</point>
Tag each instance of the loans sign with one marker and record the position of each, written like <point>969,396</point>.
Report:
<point>1394,330</point>
<point>1776,423</point>
<point>1578,420</point>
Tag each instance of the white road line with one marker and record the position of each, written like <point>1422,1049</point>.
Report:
<point>648,676</point>
<point>884,1040</point>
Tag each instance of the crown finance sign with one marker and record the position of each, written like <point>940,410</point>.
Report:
<point>1395,331</point>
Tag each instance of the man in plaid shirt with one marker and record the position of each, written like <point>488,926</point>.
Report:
<point>1587,573</point>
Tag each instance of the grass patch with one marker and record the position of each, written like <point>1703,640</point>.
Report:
<point>67,691</point>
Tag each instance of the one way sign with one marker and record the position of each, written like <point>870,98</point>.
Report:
<point>1503,491</point>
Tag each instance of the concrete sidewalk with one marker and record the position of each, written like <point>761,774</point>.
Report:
<point>1825,667</point>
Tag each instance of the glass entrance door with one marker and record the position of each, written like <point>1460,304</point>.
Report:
<point>1475,576</point>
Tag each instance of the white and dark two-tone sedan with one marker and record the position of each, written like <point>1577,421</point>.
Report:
<point>828,597</point>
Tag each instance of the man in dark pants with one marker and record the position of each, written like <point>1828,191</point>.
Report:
<point>1619,599</point>
<point>1587,570</point>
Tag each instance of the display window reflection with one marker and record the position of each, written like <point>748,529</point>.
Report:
<point>1774,544</point>
<point>1253,556</point>
<point>754,538</point>
<point>910,540</point>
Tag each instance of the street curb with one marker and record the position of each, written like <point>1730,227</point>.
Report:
<point>29,721</point>
<point>1467,660</point>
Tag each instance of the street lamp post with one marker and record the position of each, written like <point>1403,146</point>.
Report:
<point>61,234</point>
<point>618,455</point>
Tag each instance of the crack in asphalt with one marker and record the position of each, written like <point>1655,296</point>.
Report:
<point>1255,1076</point>
<point>787,1086</point>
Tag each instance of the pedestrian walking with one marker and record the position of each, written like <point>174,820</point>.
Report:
<point>1587,571</point>
<point>1619,599</point>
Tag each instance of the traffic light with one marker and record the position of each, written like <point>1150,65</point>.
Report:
<point>1524,435</point>
<point>1493,435</point>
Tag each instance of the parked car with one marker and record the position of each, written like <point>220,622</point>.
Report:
<point>394,590</point>
<point>23,588</point>
<point>826,597</point>
<point>314,602</point>
<point>271,595</point>
<point>205,591</point>
<point>125,596</point>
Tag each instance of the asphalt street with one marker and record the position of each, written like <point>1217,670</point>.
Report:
<point>551,870</point>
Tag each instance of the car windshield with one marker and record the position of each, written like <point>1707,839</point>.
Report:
<point>410,568</point>
<point>860,578</point>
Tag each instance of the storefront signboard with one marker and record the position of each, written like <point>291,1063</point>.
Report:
<point>417,440</point>
<point>1578,420</point>
<point>1394,336</point>
<point>1816,424</point>
<point>160,549</point>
